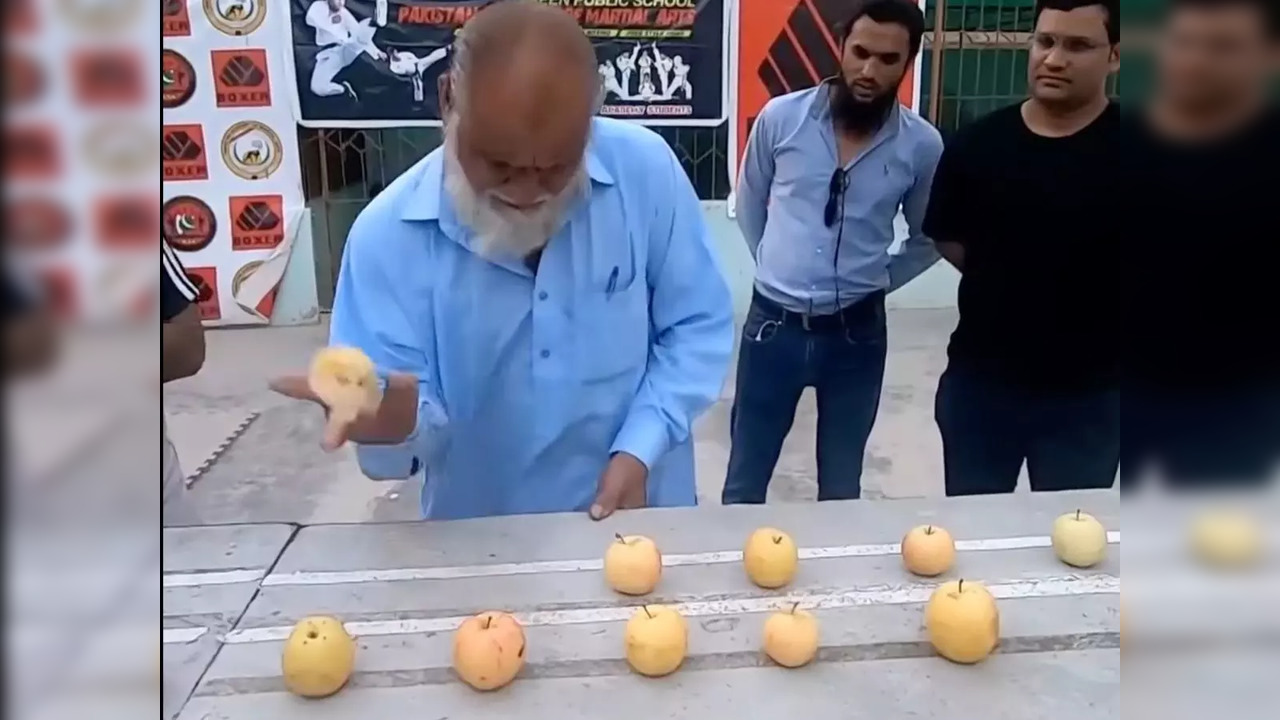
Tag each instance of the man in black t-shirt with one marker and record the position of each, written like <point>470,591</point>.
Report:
<point>182,347</point>
<point>1024,205</point>
<point>1202,399</point>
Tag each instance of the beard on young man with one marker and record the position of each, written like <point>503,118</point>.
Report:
<point>861,110</point>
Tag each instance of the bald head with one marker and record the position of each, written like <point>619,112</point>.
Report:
<point>536,51</point>
<point>518,101</point>
<point>517,105</point>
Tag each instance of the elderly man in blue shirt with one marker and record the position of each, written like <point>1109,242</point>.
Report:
<point>825,173</point>
<point>540,293</point>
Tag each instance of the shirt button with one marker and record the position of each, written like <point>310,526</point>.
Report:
<point>542,295</point>
<point>545,354</point>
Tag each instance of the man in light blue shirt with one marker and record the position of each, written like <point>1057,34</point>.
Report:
<point>540,292</point>
<point>825,173</point>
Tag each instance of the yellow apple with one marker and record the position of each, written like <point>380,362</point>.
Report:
<point>1226,539</point>
<point>770,558</point>
<point>657,640</point>
<point>1079,539</point>
<point>633,565</point>
<point>318,657</point>
<point>488,650</point>
<point>963,621</point>
<point>928,550</point>
<point>791,637</point>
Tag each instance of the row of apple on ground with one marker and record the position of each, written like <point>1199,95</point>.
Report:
<point>961,617</point>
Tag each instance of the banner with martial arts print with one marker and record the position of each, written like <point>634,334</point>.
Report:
<point>232,200</point>
<point>375,63</point>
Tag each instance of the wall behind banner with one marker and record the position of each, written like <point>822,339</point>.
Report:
<point>232,186</point>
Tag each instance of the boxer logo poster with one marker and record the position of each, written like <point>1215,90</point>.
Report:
<point>790,45</point>
<point>257,222</point>
<point>177,79</point>
<point>205,280</point>
<point>240,78</point>
<point>37,224</point>
<point>59,284</point>
<point>235,17</point>
<point>26,81</point>
<point>31,153</point>
<point>20,17</point>
<point>252,150</point>
<point>249,292</point>
<point>120,148</point>
<point>176,22</point>
<point>187,223</point>
<point>97,16</point>
<point>126,222</point>
<point>108,78</point>
<point>182,155</point>
<point>377,63</point>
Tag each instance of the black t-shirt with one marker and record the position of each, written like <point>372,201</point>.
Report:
<point>1203,298</point>
<point>1037,217</point>
<point>177,292</point>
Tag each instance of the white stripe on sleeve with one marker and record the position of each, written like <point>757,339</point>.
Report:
<point>177,276</point>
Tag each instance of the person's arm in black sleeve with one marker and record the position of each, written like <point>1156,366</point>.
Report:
<point>181,332</point>
<point>30,332</point>
<point>947,219</point>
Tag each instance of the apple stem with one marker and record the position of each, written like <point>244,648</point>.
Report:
<point>1077,513</point>
<point>928,530</point>
<point>777,540</point>
<point>794,608</point>
<point>960,585</point>
<point>488,620</point>
<point>620,538</point>
<point>646,611</point>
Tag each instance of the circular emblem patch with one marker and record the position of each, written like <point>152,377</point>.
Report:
<point>188,223</point>
<point>177,79</point>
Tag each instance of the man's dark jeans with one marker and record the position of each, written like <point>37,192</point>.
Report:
<point>1070,440</point>
<point>842,357</point>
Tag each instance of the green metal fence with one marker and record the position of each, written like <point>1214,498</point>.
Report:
<point>984,67</point>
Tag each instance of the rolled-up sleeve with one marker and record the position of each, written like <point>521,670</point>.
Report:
<point>374,311</point>
<point>691,311</point>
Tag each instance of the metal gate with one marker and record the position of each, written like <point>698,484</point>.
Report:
<point>343,169</point>
<point>983,66</point>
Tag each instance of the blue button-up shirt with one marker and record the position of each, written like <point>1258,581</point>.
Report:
<point>782,194</point>
<point>528,380</point>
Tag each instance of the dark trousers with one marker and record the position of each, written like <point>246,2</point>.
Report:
<point>1202,438</point>
<point>990,426</point>
<point>842,357</point>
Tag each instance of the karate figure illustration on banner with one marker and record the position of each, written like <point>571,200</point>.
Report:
<point>671,70</point>
<point>341,39</point>
<point>406,64</point>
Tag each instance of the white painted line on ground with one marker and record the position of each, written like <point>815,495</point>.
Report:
<point>212,577</point>
<point>348,577</point>
<point>1071,585</point>
<point>182,636</point>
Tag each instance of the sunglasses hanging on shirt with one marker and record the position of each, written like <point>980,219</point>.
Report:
<point>835,197</point>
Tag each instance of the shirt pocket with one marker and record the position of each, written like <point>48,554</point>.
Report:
<point>613,331</point>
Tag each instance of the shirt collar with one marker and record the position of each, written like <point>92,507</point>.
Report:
<point>429,199</point>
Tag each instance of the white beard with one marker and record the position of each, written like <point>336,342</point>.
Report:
<point>499,230</point>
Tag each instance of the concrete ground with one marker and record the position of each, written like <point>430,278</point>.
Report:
<point>275,471</point>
